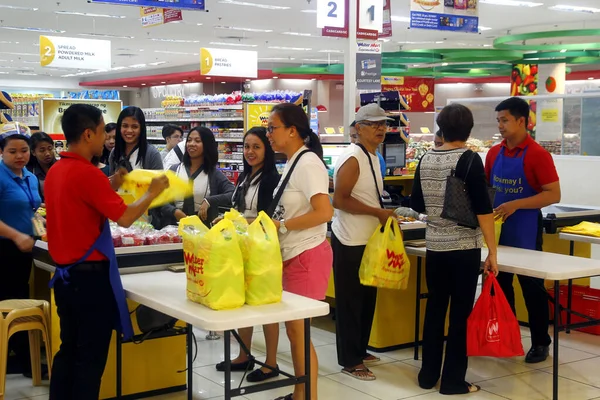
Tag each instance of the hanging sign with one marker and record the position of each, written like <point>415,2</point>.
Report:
<point>153,16</point>
<point>418,92</point>
<point>221,62</point>
<point>370,19</point>
<point>368,66</point>
<point>332,17</point>
<point>445,15</point>
<point>387,19</point>
<point>52,111</point>
<point>65,52</point>
<point>197,5</point>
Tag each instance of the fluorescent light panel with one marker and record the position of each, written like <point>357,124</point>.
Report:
<point>28,29</point>
<point>237,28</point>
<point>562,7</point>
<point>296,33</point>
<point>233,44</point>
<point>276,59</point>
<point>332,51</point>
<point>174,40</point>
<point>309,11</point>
<point>83,14</point>
<point>290,48</point>
<point>176,52</point>
<point>249,4</point>
<point>513,3</point>
<point>19,8</point>
<point>106,35</point>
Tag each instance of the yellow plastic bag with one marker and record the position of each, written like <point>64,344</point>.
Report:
<point>213,264</point>
<point>241,227</point>
<point>138,181</point>
<point>584,228</point>
<point>497,231</point>
<point>264,268</point>
<point>385,263</point>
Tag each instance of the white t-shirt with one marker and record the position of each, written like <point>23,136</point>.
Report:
<point>353,229</point>
<point>133,159</point>
<point>201,188</point>
<point>251,198</point>
<point>171,158</point>
<point>308,179</point>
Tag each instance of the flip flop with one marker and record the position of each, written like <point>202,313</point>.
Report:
<point>356,373</point>
<point>473,388</point>
<point>370,359</point>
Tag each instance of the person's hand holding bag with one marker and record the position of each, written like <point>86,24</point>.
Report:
<point>158,185</point>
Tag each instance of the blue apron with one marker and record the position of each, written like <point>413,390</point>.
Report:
<point>508,178</point>
<point>104,245</point>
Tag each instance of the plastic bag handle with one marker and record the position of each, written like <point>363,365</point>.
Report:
<point>389,226</point>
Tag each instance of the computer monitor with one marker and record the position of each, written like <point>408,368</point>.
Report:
<point>395,155</point>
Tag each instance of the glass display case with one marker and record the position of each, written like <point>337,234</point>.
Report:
<point>562,124</point>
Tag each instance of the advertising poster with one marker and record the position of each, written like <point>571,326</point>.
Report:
<point>257,114</point>
<point>368,66</point>
<point>524,82</point>
<point>197,5</point>
<point>387,19</point>
<point>153,16</point>
<point>418,92</point>
<point>551,79</point>
<point>445,15</point>
<point>221,62</point>
<point>65,52</point>
<point>52,111</point>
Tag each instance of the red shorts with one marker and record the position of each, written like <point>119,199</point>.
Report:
<point>308,273</point>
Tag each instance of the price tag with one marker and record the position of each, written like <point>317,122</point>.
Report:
<point>331,13</point>
<point>370,15</point>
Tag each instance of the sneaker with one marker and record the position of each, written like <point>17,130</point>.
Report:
<point>537,354</point>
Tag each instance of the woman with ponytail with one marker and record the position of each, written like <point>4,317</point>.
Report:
<point>302,210</point>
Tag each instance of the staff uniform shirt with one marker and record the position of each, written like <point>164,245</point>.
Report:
<point>356,229</point>
<point>16,197</point>
<point>538,163</point>
<point>79,198</point>
<point>308,179</point>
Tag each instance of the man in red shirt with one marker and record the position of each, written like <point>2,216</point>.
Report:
<point>525,179</point>
<point>88,292</point>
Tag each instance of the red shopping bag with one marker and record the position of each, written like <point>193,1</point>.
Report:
<point>492,328</point>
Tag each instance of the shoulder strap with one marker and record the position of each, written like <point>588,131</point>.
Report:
<point>174,167</point>
<point>283,185</point>
<point>471,158</point>
<point>178,152</point>
<point>373,172</point>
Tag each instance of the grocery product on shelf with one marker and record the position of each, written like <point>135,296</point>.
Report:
<point>143,234</point>
<point>552,146</point>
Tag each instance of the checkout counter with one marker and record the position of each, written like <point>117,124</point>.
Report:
<point>393,325</point>
<point>157,364</point>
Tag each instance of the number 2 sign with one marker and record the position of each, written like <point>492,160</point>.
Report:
<point>331,13</point>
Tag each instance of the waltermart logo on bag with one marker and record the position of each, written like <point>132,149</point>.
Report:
<point>194,263</point>
<point>493,331</point>
<point>395,260</point>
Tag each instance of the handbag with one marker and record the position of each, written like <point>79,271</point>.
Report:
<point>457,203</point>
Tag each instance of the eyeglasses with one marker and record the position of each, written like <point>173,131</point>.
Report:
<point>374,124</point>
<point>270,129</point>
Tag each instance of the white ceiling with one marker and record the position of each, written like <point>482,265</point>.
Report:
<point>141,49</point>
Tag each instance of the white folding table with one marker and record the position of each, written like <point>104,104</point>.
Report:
<point>165,291</point>
<point>536,264</point>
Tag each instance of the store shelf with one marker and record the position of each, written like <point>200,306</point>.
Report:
<point>29,121</point>
<point>235,140</point>
<point>231,161</point>
<point>216,119</point>
<point>158,139</point>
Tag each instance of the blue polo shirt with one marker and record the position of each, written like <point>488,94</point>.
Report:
<point>381,164</point>
<point>18,199</point>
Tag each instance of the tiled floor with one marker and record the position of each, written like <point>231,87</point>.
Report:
<point>396,373</point>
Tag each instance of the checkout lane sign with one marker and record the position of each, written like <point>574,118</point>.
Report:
<point>368,65</point>
<point>75,53</point>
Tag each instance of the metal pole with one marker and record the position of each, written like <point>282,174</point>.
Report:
<point>418,308</point>
<point>227,340</point>
<point>307,366</point>
<point>190,362</point>
<point>556,332</point>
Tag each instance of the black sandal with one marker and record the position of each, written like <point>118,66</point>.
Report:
<point>237,367</point>
<point>287,397</point>
<point>259,375</point>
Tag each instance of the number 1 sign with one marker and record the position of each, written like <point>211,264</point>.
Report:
<point>370,19</point>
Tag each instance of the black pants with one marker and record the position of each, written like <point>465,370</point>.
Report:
<point>354,305</point>
<point>536,301</point>
<point>88,312</point>
<point>15,271</point>
<point>451,278</point>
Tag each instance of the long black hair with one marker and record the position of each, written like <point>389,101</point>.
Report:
<point>35,140</point>
<point>119,150</point>
<point>209,144</point>
<point>111,126</point>
<point>293,115</point>
<point>269,162</point>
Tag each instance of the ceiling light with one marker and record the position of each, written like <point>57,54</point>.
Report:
<point>331,51</point>
<point>163,83</point>
<point>591,78</point>
<point>560,7</point>
<point>514,3</point>
<point>19,8</point>
<point>384,40</point>
<point>208,78</point>
<point>237,28</point>
<point>143,84</point>
<point>484,28</point>
<point>321,60</point>
<point>247,80</point>
<point>296,33</point>
<point>106,35</point>
<point>117,68</point>
<point>309,11</point>
<point>397,18</point>
<point>563,51</point>
<point>248,4</point>
<point>276,59</point>
<point>176,52</point>
<point>38,30</point>
<point>157,63</point>
<point>7,42</point>
<point>223,82</point>
<point>290,48</point>
<point>199,24</point>
<point>233,44</point>
<point>184,81</point>
<point>19,54</point>
<point>124,85</point>
<point>174,40</point>
<point>89,14</point>
<point>275,77</point>
<point>27,73</point>
<point>3,72</point>
<point>444,64</point>
<point>138,66</point>
<point>313,79</point>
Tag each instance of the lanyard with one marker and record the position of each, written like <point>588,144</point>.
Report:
<point>27,191</point>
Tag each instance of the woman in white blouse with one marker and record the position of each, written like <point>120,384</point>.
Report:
<point>212,189</point>
<point>254,193</point>
<point>301,217</point>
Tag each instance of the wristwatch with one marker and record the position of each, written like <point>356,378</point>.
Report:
<point>282,229</point>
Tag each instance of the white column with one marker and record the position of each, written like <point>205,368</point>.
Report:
<point>350,70</point>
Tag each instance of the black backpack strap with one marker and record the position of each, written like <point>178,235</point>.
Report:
<point>283,185</point>
<point>373,172</point>
<point>179,153</point>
